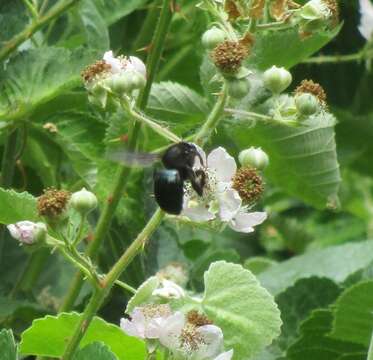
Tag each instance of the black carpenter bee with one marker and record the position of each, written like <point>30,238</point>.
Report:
<point>178,161</point>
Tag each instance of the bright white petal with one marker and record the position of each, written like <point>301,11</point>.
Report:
<point>244,222</point>
<point>225,355</point>
<point>116,65</point>
<point>170,333</point>
<point>135,326</point>
<point>169,290</point>
<point>136,64</point>
<point>230,203</point>
<point>212,341</point>
<point>222,163</point>
<point>197,212</point>
<point>366,19</point>
<point>14,232</point>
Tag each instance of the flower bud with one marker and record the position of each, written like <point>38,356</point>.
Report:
<point>238,88</point>
<point>277,79</point>
<point>98,95</point>
<point>307,104</point>
<point>83,201</point>
<point>28,232</point>
<point>254,157</point>
<point>213,37</point>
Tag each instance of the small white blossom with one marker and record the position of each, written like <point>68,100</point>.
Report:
<point>146,321</point>
<point>27,232</point>
<point>169,290</point>
<point>175,272</point>
<point>219,198</point>
<point>366,19</point>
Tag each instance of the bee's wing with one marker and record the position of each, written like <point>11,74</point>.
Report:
<point>129,158</point>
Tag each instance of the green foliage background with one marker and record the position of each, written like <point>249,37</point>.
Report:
<point>314,254</point>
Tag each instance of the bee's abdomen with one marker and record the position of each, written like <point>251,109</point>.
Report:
<point>169,190</point>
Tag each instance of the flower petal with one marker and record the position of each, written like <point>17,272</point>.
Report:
<point>170,333</point>
<point>116,65</point>
<point>244,222</point>
<point>225,355</point>
<point>196,212</point>
<point>222,163</point>
<point>212,341</point>
<point>136,64</point>
<point>169,290</point>
<point>135,326</point>
<point>366,19</point>
<point>197,163</point>
<point>230,203</point>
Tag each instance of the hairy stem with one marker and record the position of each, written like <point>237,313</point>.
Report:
<point>30,30</point>
<point>138,244</point>
<point>122,174</point>
<point>331,59</point>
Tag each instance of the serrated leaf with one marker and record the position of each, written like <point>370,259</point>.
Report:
<point>176,98</point>
<point>335,263</point>
<point>353,314</point>
<point>143,293</point>
<point>97,351</point>
<point>113,10</point>
<point>36,76</point>
<point>16,207</point>
<point>244,310</point>
<point>297,302</point>
<point>315,344</point>
<point>8,348</point>
<point>268,49</point>
<point>48,336</point>
<point>303,160</point>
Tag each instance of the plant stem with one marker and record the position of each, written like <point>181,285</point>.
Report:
<point>7,171</point>
<point>125,286</point>
<point>27,33</point>
<point>330,59</point>
<point>122,174</point>
<point>138,244</point>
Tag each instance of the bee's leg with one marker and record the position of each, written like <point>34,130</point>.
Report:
<point>197,179</point>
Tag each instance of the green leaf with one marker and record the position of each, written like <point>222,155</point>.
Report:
<point>303,160</point>
<point>97,351</point>
<point>297,302</point>
<point>353,314</point>
<point>9,306</point>
<point>47,337</point>
<point>176,98</point>
<point>113,10</point>
<point>258,264</point>
<point>244,310</point>
<point>8,347</point>
<point>36,76</point>
<point>315,344</point>
<point>268,49</point>
<point>335,263</point>
<point>17,207</point>
<point>143,293</point>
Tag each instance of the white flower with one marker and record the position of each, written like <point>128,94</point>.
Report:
<point>116,64</point>
<point>169,335</point>
<point>225,355</point>
<point>366,19</point>
<point>219,197</point>
<point>175,272</point>
<point>169,290</point>
<point>135,64</point>
<point>120,64</point>
<point>27,232</point>
<point>146,321</point>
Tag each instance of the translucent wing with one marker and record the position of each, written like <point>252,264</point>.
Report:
<point>129,158</point>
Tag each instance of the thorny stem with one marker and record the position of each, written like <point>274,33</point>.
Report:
<point>27,33</point>
<point>122,174</point>
<point>138,244</point>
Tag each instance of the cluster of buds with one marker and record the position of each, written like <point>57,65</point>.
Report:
<point>185,336</point>
<point>53,206</point>
<point>113,75</point>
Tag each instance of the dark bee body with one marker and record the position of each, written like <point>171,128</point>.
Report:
<point>178,161</point>
<point>168,187</point>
